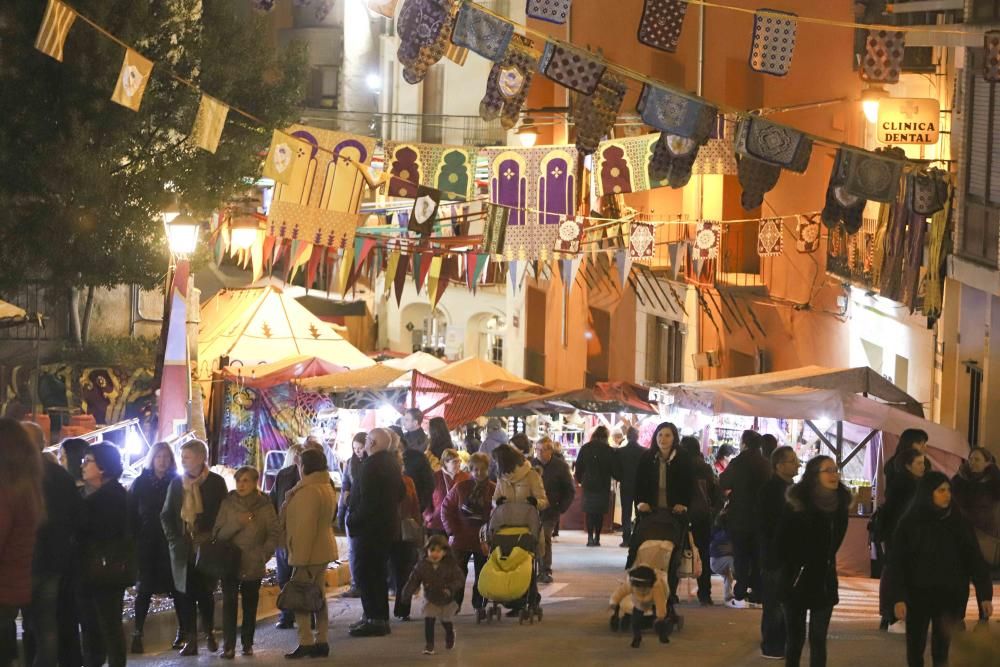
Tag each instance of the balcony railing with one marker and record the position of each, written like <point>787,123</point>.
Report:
<point>453,130</point>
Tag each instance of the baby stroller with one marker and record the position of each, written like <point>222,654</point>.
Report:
<point>509,577</point>
<point>653,544</point>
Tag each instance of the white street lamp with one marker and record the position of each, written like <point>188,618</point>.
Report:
<point>182,233</point>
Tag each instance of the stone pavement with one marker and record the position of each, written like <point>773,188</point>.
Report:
<point>575,630</point>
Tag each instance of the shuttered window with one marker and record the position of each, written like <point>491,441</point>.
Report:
<point>983,146</point>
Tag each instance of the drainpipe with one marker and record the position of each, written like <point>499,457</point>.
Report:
<point>700,86</point>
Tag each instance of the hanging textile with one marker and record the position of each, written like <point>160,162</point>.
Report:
<point>926,192</point>
<point>553,11</point>
<point>883,59</point>
<point>424,28</point>
<point>482,33</point>
<point>771,238</point>
<point>874,175</point>
<point>573,68</point>
<point>841,205</point>
<point>707,239</point>
<point>991,59</point>
<point>661,23</point>
<point>773,42</point>
<point>594,115</point>
<point>671,112</point>
<point>495,229</point>
<point>451,169</point>
<point>938,249</point>
<point>807,233</point>
<point>641,240</point>
<point>508,83</point>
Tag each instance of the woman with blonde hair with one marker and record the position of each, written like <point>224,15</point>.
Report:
<point>448,476</point>
<point>21,511</point>
<point>146,498</point>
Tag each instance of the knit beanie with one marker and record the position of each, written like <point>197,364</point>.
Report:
<point>108,458</point>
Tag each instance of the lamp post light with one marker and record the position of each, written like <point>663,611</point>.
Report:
<point>182,233</point>
<point>527,134</point>
<point>243,231</point>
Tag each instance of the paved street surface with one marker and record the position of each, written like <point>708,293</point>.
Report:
<point>575,629</point>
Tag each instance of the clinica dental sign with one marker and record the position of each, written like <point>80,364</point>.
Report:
<point>908,121</point>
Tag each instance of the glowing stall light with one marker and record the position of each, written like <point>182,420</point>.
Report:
<point>823,424</point>
<point>134,445</point>
<point>386,415</point>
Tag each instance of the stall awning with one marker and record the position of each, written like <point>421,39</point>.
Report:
<point>480,374</point>
<point>268,375</point>
<point>372,378</point>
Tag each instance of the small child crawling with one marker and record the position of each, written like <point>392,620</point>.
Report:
<point>643,591</point>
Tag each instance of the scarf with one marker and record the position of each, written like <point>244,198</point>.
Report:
<point>826,500</point>
<point>192,506</point>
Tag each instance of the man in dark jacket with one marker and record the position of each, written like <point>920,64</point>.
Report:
<point>559,489</point>
<point>373,524</point>
<point>286,478</point>
<point>771,505</point>
<point>44,643</point>
<point>744,478</point>
<point>413,433</point>
<point>628,463</point>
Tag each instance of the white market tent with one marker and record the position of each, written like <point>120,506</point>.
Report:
<point>814,393</point>
<point>262,325</point>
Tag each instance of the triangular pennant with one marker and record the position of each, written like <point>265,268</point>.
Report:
<point>257,257</point>
<point>132,80</point>
<point>447,270</point>
<point>512,273</point>
<point>624,263</point>
<point>674,251</point>
<point>482,259</point>
<point>346,266</point>
<point>313,268</point>
<point>434,275</point>
<point>699,264</point>
<point>400,280</point>
<point>56,22</point>
<point>420,271</point>
<point>390,271</point>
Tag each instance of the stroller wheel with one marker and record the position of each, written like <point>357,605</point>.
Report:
<point>480,616</point>
<point>525,615</point>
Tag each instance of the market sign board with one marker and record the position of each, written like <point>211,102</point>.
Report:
<point>908,121</point>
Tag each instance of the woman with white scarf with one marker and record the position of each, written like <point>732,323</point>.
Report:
<point>188,518</point>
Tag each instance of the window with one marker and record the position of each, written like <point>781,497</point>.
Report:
<point>664,350</point>
<point>984,11</point>
<point>491,339</point>
<point>981,222</point>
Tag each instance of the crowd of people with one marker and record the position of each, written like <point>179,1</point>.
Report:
<point>413,506</point>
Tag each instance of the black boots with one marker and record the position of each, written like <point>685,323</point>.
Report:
<point>429,636</point>
<point>137,647</point>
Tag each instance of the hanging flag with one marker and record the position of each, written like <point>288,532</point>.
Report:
<point>425,211</point>
<point>282,160</point>
<point>400,280</point>
<point>594,115</point>
<point>208,124</point>
<point>508,83</point>
<point>470,269</point>
<point>420,271</point>
<point>553,11</point>
<point>641,240</point>
<point>699,265</point>
<point>512,273</point>
<point>481,262</point>
<point>132,80</point>
<point>257,257</point>
<point>770,238</point>
<point>571,67</point>
<point>313,266</point>
<point>444,280</point>
<point>661,23</point>
<point>807,232</point>
<point>390,272</point>
<point>623,260</point>
<point>706,241</point>
<point>570,234</point>
<point>175,381</point>
<point>56,22</point>
<point>674,251</point>
<point>481,32</point>
<point>434,274</point>
<point>883,59</point>
<point>773,42</point>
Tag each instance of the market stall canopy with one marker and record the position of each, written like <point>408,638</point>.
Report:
<point>481,374</point>
<point>522,404</point>
<point>611,397</point>
<point>861,380</point>
<point>457,404</point>
<point>268,375</point>
<point>371,378</point>
<point>418,361</point>
<point>12,316</point>
<point>262,325</point>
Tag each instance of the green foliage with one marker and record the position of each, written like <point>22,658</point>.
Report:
<point>123,351</point>
<point>81,178</point>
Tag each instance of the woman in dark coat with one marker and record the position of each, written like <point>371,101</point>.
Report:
<point>146,498</point>
<point>806,542</point>
<point>934,556</point>
<point>439,437</point>
<point>900,487</point>
<point>464,511</point>
<point>103,536</point>
<point>976,491</point>
<point>705,503</point>
<point>596,465</point>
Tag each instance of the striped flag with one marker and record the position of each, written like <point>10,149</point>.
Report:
<point>208,124</point>
<point>132,80</point>
<point>55,27</point>
<point>456,54</point>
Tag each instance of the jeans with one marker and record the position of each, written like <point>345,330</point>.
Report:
<point>746,557</point>
<point>478,561</point>
<point>795,623</point>
<point>628,506</point>
<point>402,557</point>
<point>41,625</point>
<point>283,574</point>
<point>231,590</point>
<point>942,615</point>
<point>701,530</point>
<point>103,630</point>
<point>317,575</point>
<point>8,635</point>
<point>723,566</point>
<point>197,600</point>
<point>545,546</point>
<point>772,620</point>
<point>594,522</point>
<point>372,577</point>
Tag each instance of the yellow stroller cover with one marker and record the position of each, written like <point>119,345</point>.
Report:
<point>507,578</point>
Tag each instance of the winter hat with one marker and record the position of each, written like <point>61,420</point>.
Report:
<point>108,458</point>
<point>642,576</point>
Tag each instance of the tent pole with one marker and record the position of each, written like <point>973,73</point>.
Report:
<point>861,445</point>
<point>840,445</point>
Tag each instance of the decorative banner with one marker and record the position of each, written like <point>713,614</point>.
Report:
<point>208,123</point>
<point>707,239</point>
<point>641,241</point>
<point>770,238</point>
<point>425,211</point>
<point>841,205</point>
<point>390,272</point>
<point>132,80</point>
<point>451,169</point>
<point>424,28</point>
<point>508,83</point>
<point>883,59</point>
<point>553,11</point>
<point>573,68</point>
<point>773,42</point>
<point>674,251</point>
<point>661,23</point>
<point>570,234</point>
<point>673,113</point>
<point>873,175</point>
<point>808,235</point>
<point>623,261</point>
<point>775,144</point>
<point>433,275</point>
<point>320,201</point>
<point>673,160</point>
<point>594,115</point>
<point>282,163</point>
<point>482,33</point>
<point>399,282</point>
<point>386,8</point>
<point>539,184</point>
<point>481,261</point>
<point>495,229</point>
<point>991,59</point>
<point>56,22</point>
<point>927,193</point>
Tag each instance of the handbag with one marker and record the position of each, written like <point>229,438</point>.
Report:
<point>411,530</point>
<point>301,596</point>
<point>218,558</point>
<point>690,566</point>
<point>110,564</point>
